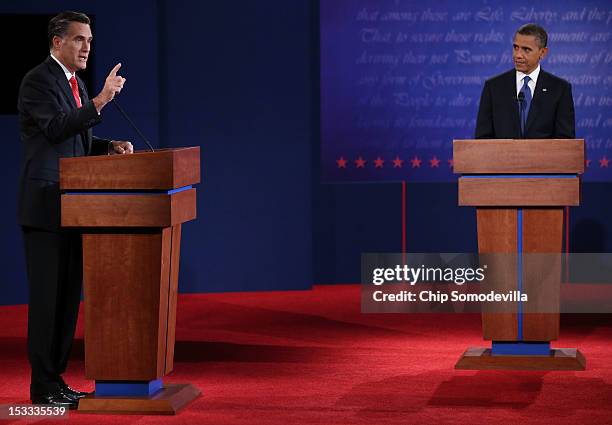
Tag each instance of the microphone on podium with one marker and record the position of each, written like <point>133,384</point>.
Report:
<point>133,125</point>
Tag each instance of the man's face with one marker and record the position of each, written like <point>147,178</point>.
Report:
<point>527,53</point>
<point>73,49</point>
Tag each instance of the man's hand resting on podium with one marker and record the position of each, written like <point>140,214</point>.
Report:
<point>120,147</point>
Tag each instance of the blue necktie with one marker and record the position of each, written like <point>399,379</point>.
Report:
<point>527,103</point>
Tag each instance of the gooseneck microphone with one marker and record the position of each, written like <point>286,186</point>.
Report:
<point>134,125</point>
<point>521,101</point>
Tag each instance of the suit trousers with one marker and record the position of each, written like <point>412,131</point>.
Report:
<point>55,274</point>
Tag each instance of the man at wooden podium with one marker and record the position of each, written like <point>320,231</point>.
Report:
<point>526,102</point>
<point>520,204</point>
<point>55,117</point>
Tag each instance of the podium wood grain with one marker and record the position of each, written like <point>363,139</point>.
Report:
<point>128,210</point>
<point>497,235</point>
<point>543,239</point>
<point>130,303</point>
<point>525,192</point>
<point>175,251</point>
<point>518,156</point>
<point>162,169</point>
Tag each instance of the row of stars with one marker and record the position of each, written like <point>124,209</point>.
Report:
<point>434,162</point>
<point>415,162</point>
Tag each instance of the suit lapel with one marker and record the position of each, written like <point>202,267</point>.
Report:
<point>65,88</point>
<point>87,135</point>
<point>82,91</point>
<point>514,109</point>
<point>538,97</point>
<point>61,80</point>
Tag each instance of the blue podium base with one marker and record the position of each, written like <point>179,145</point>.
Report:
<point>520,348</point>
<point>128,388</point>
<point>166,401</point>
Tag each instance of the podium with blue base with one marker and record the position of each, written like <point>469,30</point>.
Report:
<point>520,189</point>
<point>130,209</point>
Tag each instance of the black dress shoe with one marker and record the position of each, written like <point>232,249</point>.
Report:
<point>57,399</point>
<point>71,393</point>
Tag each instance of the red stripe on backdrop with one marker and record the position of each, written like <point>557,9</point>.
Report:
<point>404,221</point>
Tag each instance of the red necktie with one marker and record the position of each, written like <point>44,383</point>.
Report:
<point>75,91</point>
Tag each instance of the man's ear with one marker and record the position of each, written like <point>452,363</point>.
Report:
<point>543,53</point>
<point>57,41</point>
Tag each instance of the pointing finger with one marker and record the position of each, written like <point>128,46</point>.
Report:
<point>114,70</point>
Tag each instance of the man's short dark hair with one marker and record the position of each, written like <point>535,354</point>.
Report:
<point>535,30</point>
<point>58,25</point>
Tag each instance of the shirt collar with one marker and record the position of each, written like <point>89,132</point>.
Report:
<point>533,75</point>
<point>69,74</point>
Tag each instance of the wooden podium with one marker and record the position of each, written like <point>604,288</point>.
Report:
<point>130,209</point>
<point>520,189</point>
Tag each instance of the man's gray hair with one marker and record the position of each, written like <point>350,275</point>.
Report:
<point>58,25</point>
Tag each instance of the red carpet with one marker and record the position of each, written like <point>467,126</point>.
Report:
<point>310,357</point>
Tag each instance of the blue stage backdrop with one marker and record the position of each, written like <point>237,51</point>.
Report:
<point>401,79</point>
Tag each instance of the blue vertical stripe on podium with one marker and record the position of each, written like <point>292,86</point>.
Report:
<point>519,245</point>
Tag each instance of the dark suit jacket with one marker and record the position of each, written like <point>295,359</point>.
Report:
<point>551,115</point>
<point>51,127</point>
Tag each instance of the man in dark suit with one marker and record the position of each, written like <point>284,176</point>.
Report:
<point>56,116</point>
<point>526,102</point>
